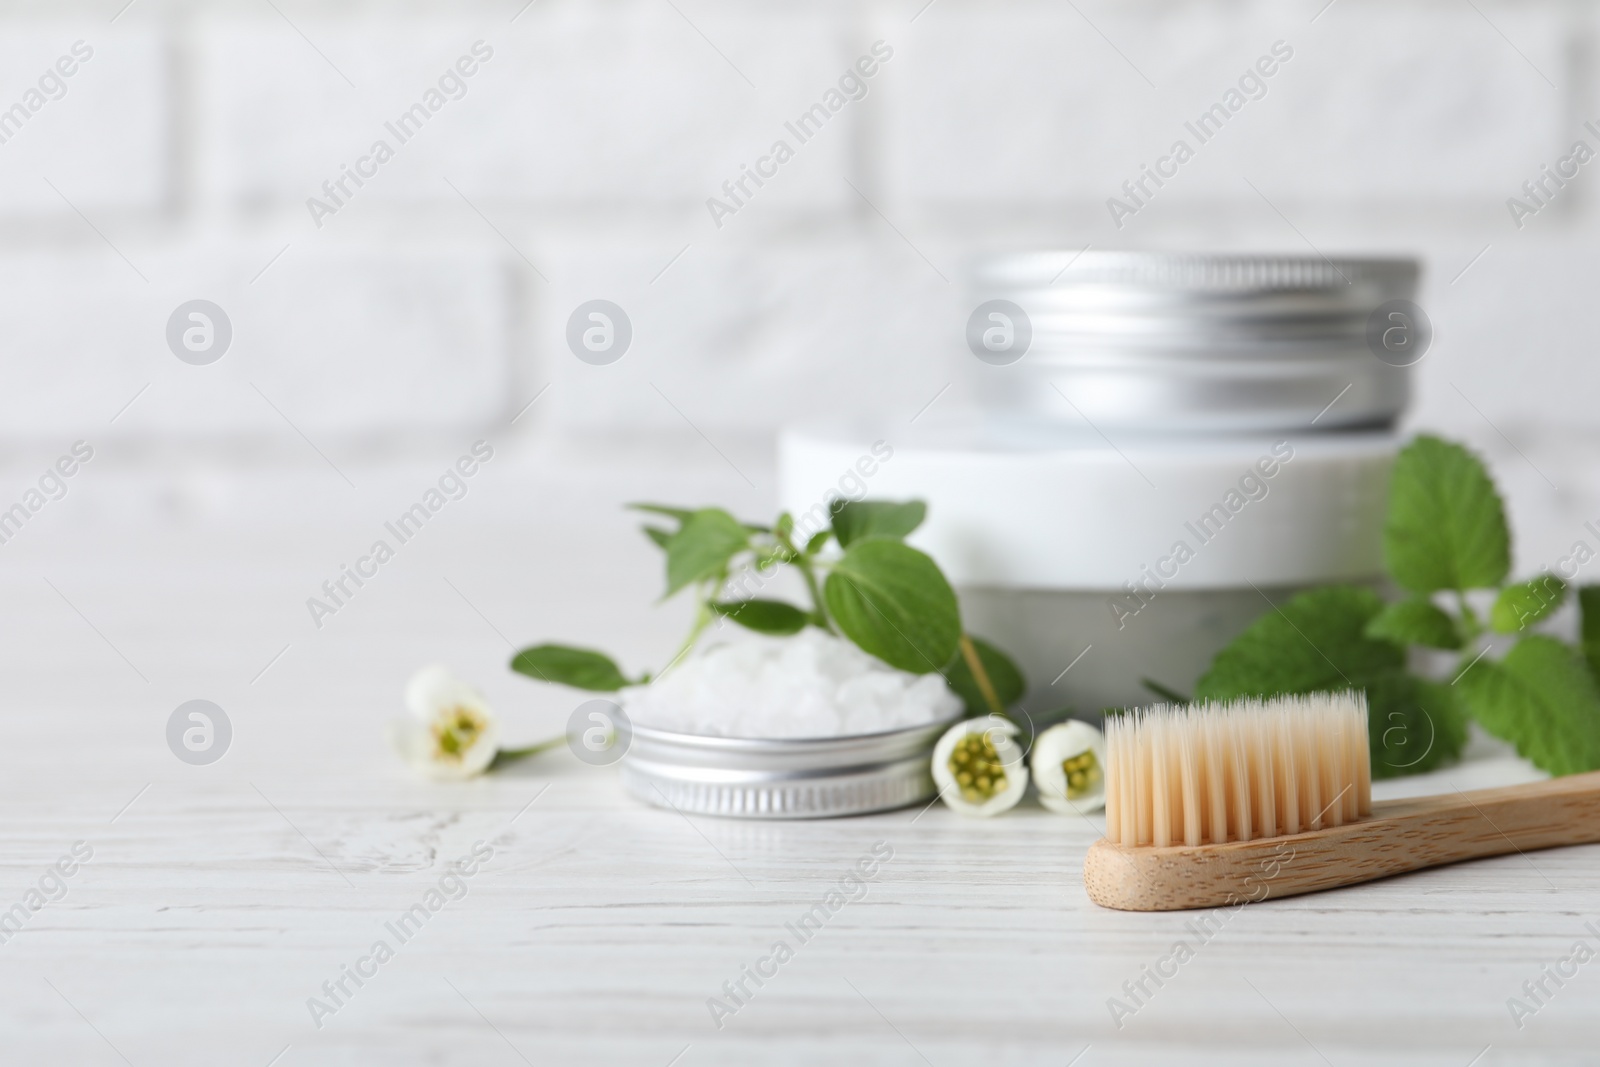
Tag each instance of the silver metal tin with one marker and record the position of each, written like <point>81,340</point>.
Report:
<point>751,778</point>
<point>1214,343</point>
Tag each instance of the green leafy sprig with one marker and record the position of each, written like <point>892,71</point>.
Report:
<point>861,579</point>
<point>1445,541</point>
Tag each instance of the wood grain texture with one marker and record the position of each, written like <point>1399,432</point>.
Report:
<point>1399,836</point>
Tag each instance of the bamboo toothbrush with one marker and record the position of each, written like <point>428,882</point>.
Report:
<point>1215,804</point>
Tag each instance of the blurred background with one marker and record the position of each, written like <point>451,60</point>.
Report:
<point>375,337</point>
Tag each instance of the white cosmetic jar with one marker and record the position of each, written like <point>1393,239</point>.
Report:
<point>1187,440</point>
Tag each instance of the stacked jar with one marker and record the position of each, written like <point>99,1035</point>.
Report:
<point>1165,446</point>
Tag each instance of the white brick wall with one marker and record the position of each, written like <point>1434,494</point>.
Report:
<point>583,152</point>
<point>343,340</point>
<point>739,334</point>
<point>1372,104</point>
<point>103,135</point>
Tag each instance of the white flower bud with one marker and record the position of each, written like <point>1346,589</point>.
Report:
<point>979,766</point>
<point>451,733</point>
<point>1069,768</point>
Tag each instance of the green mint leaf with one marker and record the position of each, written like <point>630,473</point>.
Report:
<point>1315,642</point>
<point>1589,626</point>
<point>580,668</point>
<point>784,526</point>
<point>894,603</point>
<point>1446,527</point>
<point>763,616</point>
<point>681,514</point>
<point>1414,725</point>
<point>1520,606</point>
<point>657,535</point>
<point>1004,675</point>
<point>1319,642</point>
<point>818,539</point>
<point>1415,621</point>
<point>854,520</point>
<point>1542,698</point>
<point>702,547</point>
<point>769,556</point>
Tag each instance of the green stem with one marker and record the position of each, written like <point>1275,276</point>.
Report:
<point>1170,695</point>
<point>511,755</point>
<point>802,563</point>
<point>816,595</point>
<point>1469,618</point>
<point>701,621</point>
<point>969,652</point>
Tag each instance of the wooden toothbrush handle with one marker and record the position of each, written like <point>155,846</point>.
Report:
<point>1399,836</point>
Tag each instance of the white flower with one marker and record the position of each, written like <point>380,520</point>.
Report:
<point>978,766</point>
<point>1069,768</point>
<point>450,733</point>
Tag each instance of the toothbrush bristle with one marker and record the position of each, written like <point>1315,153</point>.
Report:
<point>1237,771</point>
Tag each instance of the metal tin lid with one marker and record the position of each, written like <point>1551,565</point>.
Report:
<point>1231,343</point>
<point>782,778</point>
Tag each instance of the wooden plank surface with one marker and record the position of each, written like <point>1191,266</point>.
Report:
<point>219,899</point>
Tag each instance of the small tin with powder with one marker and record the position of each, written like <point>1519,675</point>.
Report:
<point>783,778</point>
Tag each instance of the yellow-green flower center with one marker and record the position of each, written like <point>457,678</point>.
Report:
<point>977,768</point>
<point>1083,774</point>
<point>456,731</point>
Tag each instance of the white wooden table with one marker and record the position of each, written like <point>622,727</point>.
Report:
<point>220,898</point>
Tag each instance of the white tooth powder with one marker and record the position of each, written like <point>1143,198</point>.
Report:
<point>812,684</point>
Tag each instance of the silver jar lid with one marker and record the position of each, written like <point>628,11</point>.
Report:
<point>782,778</point>
<point>1180,342</point>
